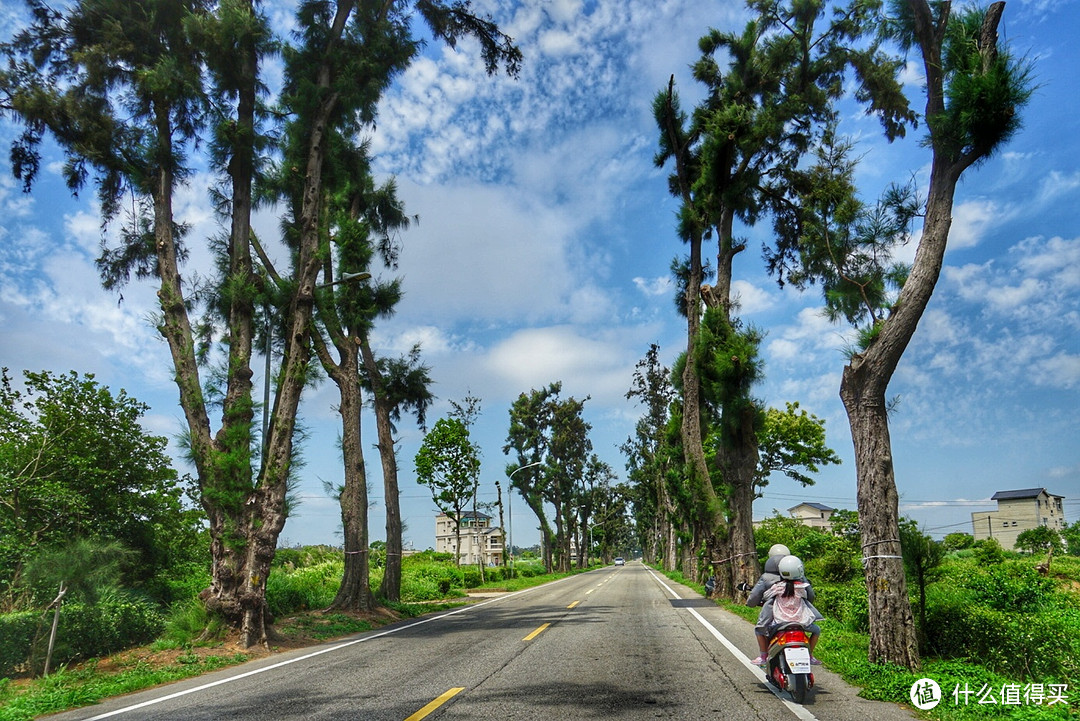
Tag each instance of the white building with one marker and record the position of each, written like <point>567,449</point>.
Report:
<point>1018,511</point>
<point>815,515</point>
<point>480,542</point>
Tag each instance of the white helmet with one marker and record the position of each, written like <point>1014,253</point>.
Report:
<point>791,568</point>
<point>779,549</point>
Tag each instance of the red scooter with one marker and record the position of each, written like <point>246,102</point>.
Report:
<point>788,666</point>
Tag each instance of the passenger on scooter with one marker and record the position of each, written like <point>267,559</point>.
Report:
<point>768,578</point>
<point>792,600</point>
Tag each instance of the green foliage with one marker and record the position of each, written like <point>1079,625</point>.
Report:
<point>1071,534</point>
<point>69,689</point>
<point>113,623</point>
<point>958,541</point>
<point>187,622</point>
<point>76,457</point>
<point>1010,587</point>
<point>789,441</point>
<point>1039,539</point>
<point>448,463</point>
<point>982,98</point>
<point>303,589</point>
<point>988,551</point>
<point>86,569</point>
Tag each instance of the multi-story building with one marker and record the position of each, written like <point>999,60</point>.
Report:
<point>815,515</point>
<point>480,542</point>
<point>1018,511</point>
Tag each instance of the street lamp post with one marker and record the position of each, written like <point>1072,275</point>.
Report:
<point>510,510</point>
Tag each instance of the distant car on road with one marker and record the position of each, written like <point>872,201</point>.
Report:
<point>620,561</point>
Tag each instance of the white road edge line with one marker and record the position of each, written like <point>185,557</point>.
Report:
<point>799,711</point>
<point>305,657</point>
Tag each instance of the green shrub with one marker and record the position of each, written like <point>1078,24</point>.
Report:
<point>840,566</point>
<point>420,588</point>
<point>471,576</point>
<point>178,583</point>
<point>17,631</point>
<point>188,621</point>
<point>115,623</point>
<point>302,589</point>
<point>1011,587</point>
<point>1036,646</point>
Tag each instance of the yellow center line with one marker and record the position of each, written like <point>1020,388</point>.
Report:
<point>532,635</point>
<point>573,604</point>
<point>423,713</point>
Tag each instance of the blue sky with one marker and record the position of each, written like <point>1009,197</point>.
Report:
<point>542,254</point>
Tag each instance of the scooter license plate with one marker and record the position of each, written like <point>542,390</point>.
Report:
<point>798,659</point>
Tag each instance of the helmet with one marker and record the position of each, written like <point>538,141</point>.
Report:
<point>791,568</point>
<point>779,549</point>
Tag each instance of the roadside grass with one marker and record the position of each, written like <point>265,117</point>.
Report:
<point>87,684</point>
<point>970,691</point>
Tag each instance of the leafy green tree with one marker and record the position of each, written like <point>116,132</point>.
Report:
<point>448,463</point>
<point>529,437</point>
<point>922,555</point>
<point>75,463</point>
<point>650,459</point>
<point>1071,534</point>
<point>120,87</point>
<point>957,541</point>
<point>792,442</point>
<point>568,456</point>
<point>1039,540</point>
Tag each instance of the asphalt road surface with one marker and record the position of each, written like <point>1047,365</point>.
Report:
<point>617,643</point>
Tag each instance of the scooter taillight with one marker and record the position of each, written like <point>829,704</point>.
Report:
<point>788,638</point>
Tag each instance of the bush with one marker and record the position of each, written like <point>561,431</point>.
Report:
<point>840,566</point>
<point>304,588</point>
<point>989,552</point>
<point>1037,646</point>
<point>85,631</point>
<point>1012,587</point>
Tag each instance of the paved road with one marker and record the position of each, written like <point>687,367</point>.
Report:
<point>616,643</point>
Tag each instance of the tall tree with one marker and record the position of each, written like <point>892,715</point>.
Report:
<point>649,460</point>
<point>119,86</point>
<point>974,93</point>
<point>396,385</point>
<point>756,122</point>
<point>530,418</point>
<point>448,463</point>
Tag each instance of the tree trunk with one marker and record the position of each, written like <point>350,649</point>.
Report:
<point>391,583</point>
<point>892,628</point>
<point>742,461</point>
<point>354,594</point>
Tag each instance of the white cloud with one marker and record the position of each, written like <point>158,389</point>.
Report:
<point>751,298</point>
<point>653,287</point>
<point>972,219</point>
<point>1058,371</point>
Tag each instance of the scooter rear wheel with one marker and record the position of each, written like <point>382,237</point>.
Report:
<point>798,687</point>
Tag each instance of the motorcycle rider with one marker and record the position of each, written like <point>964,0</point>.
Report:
<point>769,577</point>
<point>793,602</point>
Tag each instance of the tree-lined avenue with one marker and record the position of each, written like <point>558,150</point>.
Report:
<point>614,643</point>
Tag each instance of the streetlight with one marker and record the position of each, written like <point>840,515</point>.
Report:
<point>345,278</point>
<point>510,510</point>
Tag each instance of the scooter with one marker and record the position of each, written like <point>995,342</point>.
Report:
<point>788,665</point>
